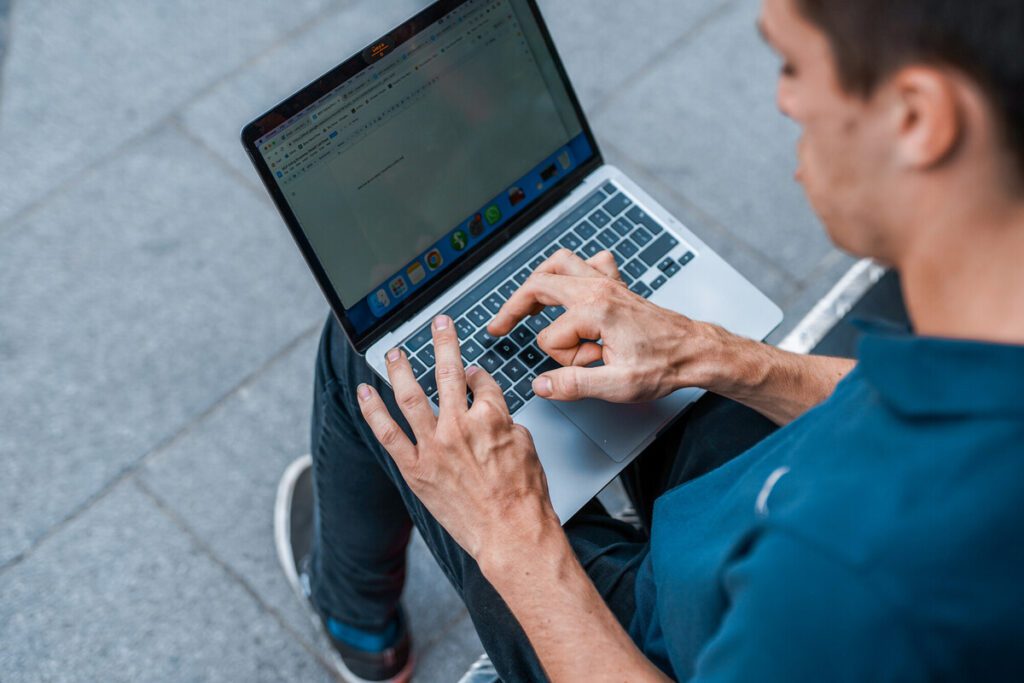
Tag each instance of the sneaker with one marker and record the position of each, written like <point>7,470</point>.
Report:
<point>293,536</point>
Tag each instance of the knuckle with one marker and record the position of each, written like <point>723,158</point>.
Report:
<point>449,373</point>
<point>389,434</point>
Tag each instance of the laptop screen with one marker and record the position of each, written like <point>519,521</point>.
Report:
<point>437,143</point>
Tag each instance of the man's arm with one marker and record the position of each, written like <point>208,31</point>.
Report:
<point>648,351</point>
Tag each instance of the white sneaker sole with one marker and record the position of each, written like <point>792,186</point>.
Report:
<point>283,542</point>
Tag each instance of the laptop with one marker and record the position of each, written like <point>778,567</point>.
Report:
<point>434,170</point>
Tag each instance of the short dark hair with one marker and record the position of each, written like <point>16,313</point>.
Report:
<point>984,39</point>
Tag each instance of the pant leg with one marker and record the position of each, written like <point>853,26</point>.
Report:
<point>714,431</point>
<point>364,510</point>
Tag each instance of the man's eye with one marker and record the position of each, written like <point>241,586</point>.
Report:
<point>787,70</point>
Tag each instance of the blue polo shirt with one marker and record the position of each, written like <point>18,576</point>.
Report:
<point>878,537</point>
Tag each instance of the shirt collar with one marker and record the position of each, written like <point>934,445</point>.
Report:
<point>936,376</point>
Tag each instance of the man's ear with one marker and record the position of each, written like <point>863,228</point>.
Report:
<point>927,115</point>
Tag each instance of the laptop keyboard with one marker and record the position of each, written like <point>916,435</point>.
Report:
<point>606,219</point>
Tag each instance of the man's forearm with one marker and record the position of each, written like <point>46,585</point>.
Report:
<point>575,635</point>
<point>778,384</point>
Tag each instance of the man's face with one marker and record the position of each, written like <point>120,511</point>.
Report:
<point>843,162</point>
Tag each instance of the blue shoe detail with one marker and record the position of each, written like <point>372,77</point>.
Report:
<point>367,641</point>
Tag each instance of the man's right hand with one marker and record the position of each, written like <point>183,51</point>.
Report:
<point>648,351</point>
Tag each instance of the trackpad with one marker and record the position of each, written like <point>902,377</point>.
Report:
<point>619,429</point>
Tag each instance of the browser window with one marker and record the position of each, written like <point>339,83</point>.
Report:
<point>405,167</point>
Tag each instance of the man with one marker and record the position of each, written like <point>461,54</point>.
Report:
<point>876,535</point>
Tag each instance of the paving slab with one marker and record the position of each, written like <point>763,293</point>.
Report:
<point>221,479</point>
<point>449,659</point>
<point>218,117</point>
<point>604,43</point>
<point>82,77</point>
<point>704,121</point>
<point>131,302</point>
<point>123,594</point>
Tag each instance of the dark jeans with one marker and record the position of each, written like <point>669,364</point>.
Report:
<point>365,511</point>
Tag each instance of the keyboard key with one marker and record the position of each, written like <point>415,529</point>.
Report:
<point>429,384</point>
<point>506,348</point>
<point>522,335</point>
<point>484,339</point>
<point>507,289</point>
<point>641,289</point>
<point>622,226</point>
<point>465,328</point>
<point>550,250</point>
<point>471,350</point>
<point>552,312</point>
<point>658,282</point>
<point>571,242</point>
<point>641,236</point>
<point>617,204</point>
<point>418,368</point>
<point>591,248</point>
<point>537,323</point>
<point>607,238</point>
<point>515,370</point>
<point>686,258</point>
<point>504,382</point>
<point>586,230</point>
<point>600,219</point>
<point>547,365</point>
<point>530,356</point>
<point>665,264</point>
<point>493,302</point>
<point>536,262</point>
<point>525,388</point>
<point>626,278</point>
<point>490,362</point>
<point>672,269</point>
<point>627,249</point>
<point>513,402</point>
<point>635,268</point>
<point>522,275</point>
<point>609,188</point>
<point>419,339</point>
<point>658,249</point>
<point>478,316</point>
<point>640,217</point>
<point>426,356</point>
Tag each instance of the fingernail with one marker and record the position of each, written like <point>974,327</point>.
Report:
<point>393,355</point>
<point>363,391</point>
<point>441,322</point>
<point>542,386</point>
<point>472,370</point>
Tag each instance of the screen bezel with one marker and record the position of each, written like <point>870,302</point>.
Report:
<point>493,242</point>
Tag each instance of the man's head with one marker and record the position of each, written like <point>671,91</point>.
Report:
<point>904,104</point>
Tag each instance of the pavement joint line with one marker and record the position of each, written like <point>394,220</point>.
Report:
<point>51,192</point>
<point>161,446</point>
<point>707,219</point>
<point>682,40</point>
<point>178,124</point>
<point>171,514</point>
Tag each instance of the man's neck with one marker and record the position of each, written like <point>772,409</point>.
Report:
<point>965,276</point>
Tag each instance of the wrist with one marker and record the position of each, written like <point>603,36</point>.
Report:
<point>725,363</point>
<point>522,552</point>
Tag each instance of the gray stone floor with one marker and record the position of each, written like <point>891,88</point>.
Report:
<point>157,328</point>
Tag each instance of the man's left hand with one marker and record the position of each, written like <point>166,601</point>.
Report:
<point>472,467</point>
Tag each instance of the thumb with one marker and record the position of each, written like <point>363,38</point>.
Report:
<point>574,383</point>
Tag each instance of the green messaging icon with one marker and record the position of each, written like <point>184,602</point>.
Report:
<point>492,214</point>
<point>459,240</point>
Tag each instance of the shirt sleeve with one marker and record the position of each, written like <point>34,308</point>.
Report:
<point>796,614</point>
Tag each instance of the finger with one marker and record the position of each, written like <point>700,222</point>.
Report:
<point>604,261</point>
<point>587,353</point>
<point>565,262</point>
<point>450,373</point>
<point>563,339</point>
<point>409,394</point>
<point>484,388</point>
<point>574,383</point>
<point>539,290</point>
<point>384,427</point>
